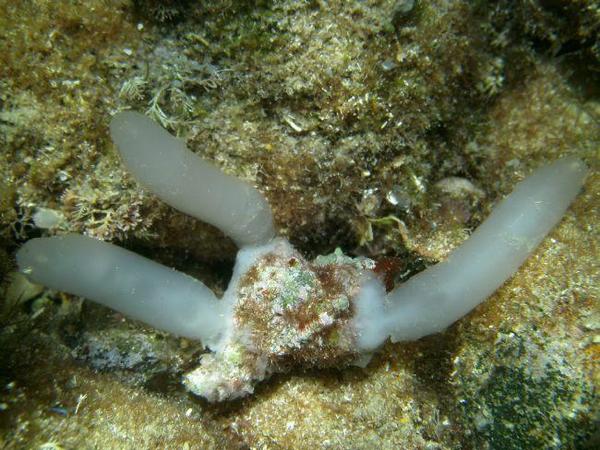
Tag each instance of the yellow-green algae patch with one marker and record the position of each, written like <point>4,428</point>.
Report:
<point>51,399</point>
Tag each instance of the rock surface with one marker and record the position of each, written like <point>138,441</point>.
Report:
<point>346,115</point>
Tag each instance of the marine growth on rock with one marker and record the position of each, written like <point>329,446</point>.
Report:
<point>281,311</point>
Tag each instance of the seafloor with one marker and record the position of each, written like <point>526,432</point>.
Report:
<point>388,128</point>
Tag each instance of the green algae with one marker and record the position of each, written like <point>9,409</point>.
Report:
<point>535,401</point>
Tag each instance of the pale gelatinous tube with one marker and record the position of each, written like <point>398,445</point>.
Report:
<point>126,282</point>
<point>182,179</point>
<point>434,299</point>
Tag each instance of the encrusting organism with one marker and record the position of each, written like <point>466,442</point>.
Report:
<point>280,310</point>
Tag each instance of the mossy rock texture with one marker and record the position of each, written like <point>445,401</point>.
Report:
<point>387,128</point>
